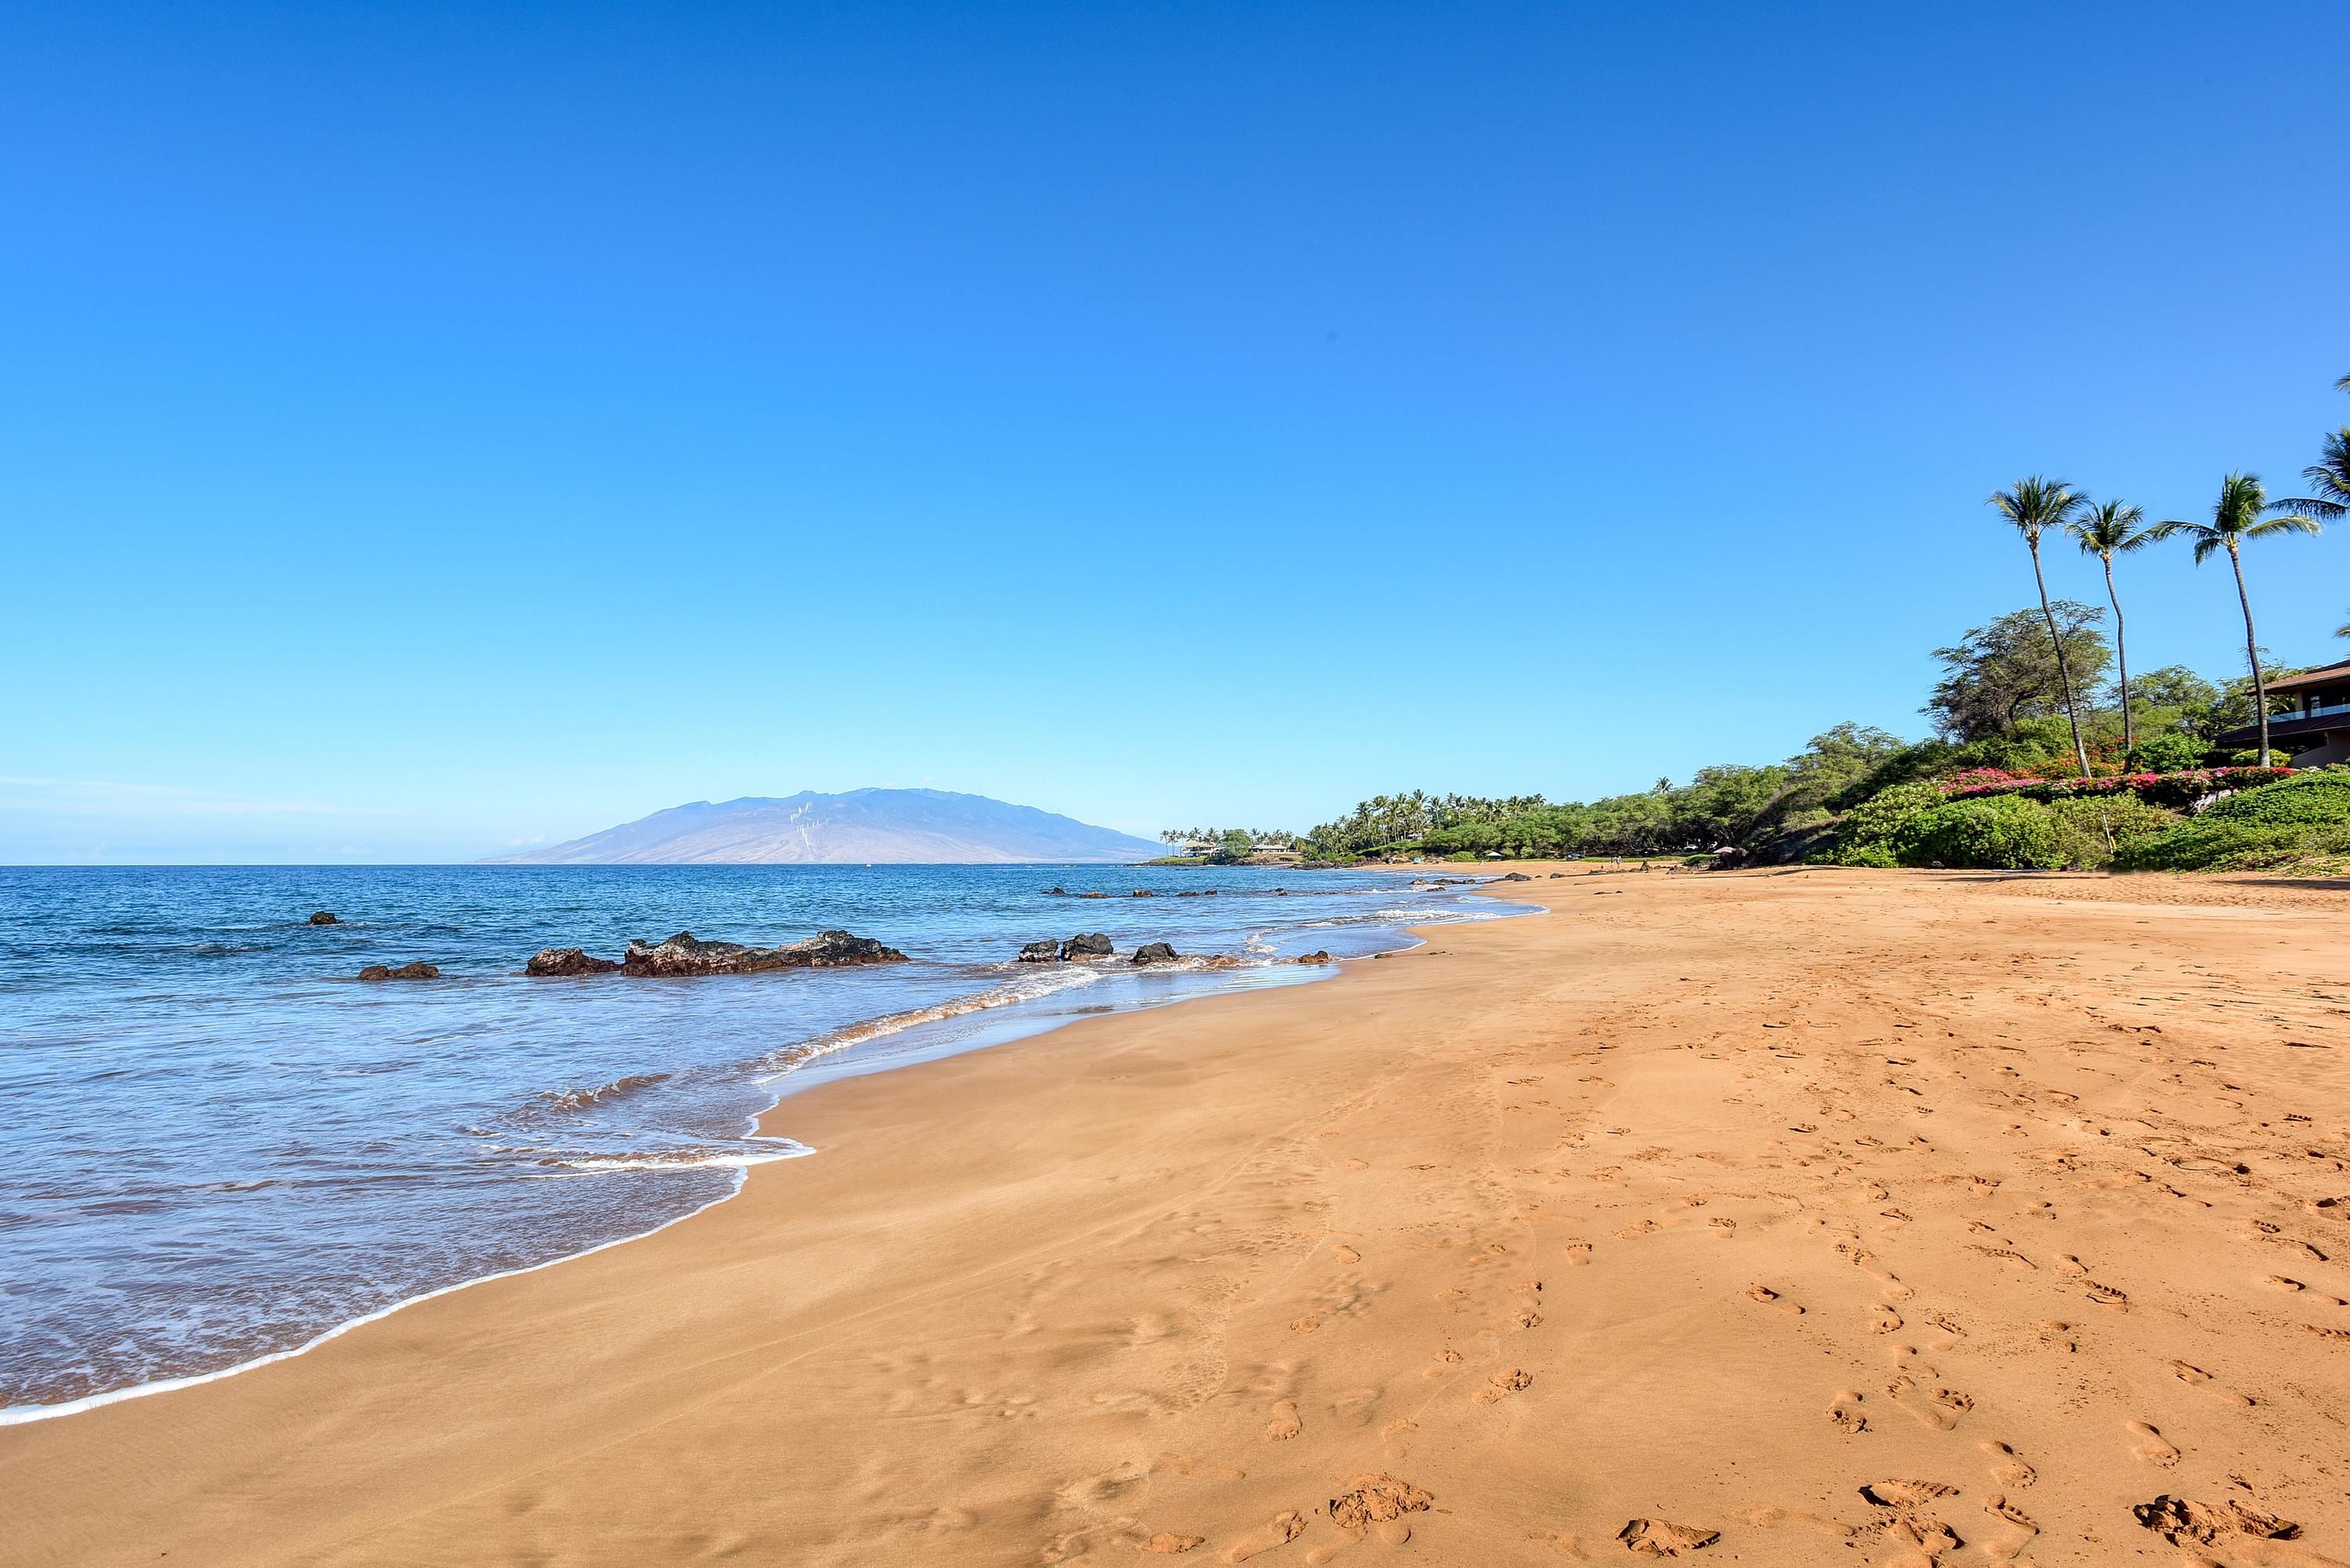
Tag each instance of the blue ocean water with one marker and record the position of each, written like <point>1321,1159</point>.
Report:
<point>221,1144</point>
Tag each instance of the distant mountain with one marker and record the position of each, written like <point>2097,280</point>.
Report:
<point>924,826</point>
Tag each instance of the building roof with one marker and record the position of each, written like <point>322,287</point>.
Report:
<point>2324,675</point>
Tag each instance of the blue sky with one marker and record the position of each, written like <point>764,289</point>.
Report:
<point>428,431</point>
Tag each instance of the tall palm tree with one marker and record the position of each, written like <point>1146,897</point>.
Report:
<point>2109,528</point>
<point>2243,512</point>
<point>2035,506</point>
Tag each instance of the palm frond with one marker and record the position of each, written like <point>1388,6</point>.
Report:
<point>2343,385</point>
<point>2287,523</point>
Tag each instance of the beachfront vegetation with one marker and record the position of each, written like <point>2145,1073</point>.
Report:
<point>2036,760</point>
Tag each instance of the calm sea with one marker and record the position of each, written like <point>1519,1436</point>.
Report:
<point>221,1145</point>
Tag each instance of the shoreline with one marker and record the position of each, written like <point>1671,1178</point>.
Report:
<point>1562,1220</point>
<point>1023,1018</point>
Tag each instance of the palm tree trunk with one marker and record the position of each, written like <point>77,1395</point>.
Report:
<point>2121,651</point>
<point>2064,667</point>
<point>2251,653</point>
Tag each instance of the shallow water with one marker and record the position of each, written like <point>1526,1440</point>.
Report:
<point>221,1145</point>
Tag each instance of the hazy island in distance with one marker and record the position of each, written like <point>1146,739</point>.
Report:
<point>915,826</point>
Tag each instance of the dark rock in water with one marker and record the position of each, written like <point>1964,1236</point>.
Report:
<point>1144,893</point>
<point>686,954</point>
<point>1094,946</point>
<point>1188,893</point>
<point>1045,951</point>
<point>1056,892</point>
<point>1319,955</point>
<point>405,972</point>
<point>1093,895</point>
<point>326,917</point>
<point>1513,877</point>
<point>1155,953</point>
<point>567,961</point>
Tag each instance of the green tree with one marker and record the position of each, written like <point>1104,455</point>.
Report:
<point>2243,512</point>
<point>2033,506</point>
<point>1999,675</point>
<point>2107,529</point>
<point>1233,847</point>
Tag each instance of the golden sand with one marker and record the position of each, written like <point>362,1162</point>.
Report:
<point>1831,1217</point>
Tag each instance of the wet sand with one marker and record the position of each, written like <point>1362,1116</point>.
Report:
<point>1778,1219</point>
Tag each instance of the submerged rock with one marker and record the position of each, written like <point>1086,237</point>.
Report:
<point>1045,951</point>
<point>567,961</point>
<point>1155,953</point>
<point>405,972</point>
<point>686,954</point>
<point>1095,945</point>
<point>326,917</point>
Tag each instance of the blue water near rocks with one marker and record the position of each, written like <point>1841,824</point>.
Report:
<point>221,1145</point>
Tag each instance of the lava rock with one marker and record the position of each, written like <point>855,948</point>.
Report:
<point>1154,952</point>
<point>326,917</point>
<point>1095,945</point>
<point>1144,893</point>
<point>1514,876</point>
<point>686,954</point>
<point>1319,955</point>
<point>405,972</point>
<point>1045,951</point>
<point>1093,895</point>
<point>567,961</point>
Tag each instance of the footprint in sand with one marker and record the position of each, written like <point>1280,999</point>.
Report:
<point>1578,1252</point>
<point>1662,1538</point>
<point>1904,1494</point>
<point>2108,1297</point>
<point>1764,1294</point>
<point>1348,1255</point>
<point>2151,1447</point>
<point>2196,1377</point>
<point>1169,1542</point>
<point>1502,1385</point>
<point>2007,1467</point>
<point>1446,1360</point>
<point>2057,1334</point>
<point>1285,1423</point>
<point>1885,1320</point>
<point>1844,1410</point>
<point>1930,1403</point>
<point>2026,1530</point>
<point>1637,1229</point>
<point>1283,1528</point>
<point>1305,1324</point>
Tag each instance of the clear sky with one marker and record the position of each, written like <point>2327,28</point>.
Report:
<point>426,430</point>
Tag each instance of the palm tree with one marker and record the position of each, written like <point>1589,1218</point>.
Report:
<point>2238,516</point>
<point>2329,478</point>
<point>2108,529</point>
<point>2035,506</point>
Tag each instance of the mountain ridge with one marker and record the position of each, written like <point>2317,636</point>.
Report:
<point>877,826</point>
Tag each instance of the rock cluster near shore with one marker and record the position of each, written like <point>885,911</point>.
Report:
<point>687,954</point>
<point>1154,952</point>
<point>568,961</point>
<point>405,972</point>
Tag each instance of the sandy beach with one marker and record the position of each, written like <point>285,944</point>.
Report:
<point>1825,1216</point>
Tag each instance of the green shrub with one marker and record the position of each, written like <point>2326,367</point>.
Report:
<point>1870,826</point>
<point>2308,813</point>
<point>2091,830</point>
<point>2319,796</point>
<point>1999,832</point>
<point>2173,753</point>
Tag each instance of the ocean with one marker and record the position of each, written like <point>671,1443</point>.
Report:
<point>222,1145</point>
